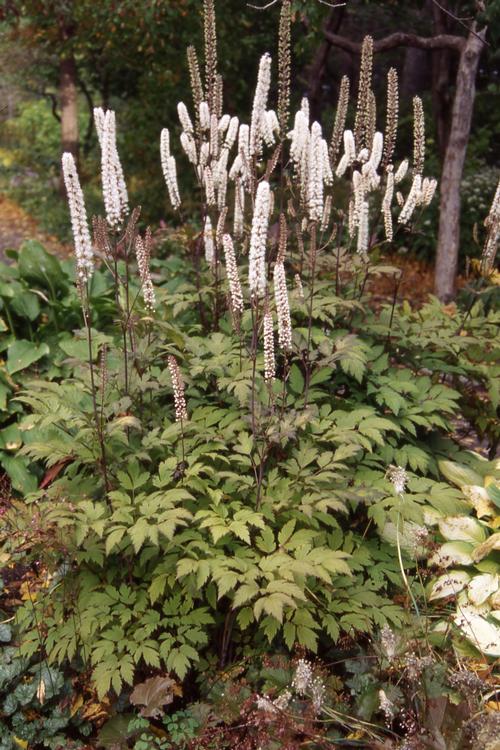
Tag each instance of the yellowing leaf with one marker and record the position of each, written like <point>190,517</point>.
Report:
<point>461,529</point>
<point>449,584</point>
<point>76,705</point>
<point>20,742</point>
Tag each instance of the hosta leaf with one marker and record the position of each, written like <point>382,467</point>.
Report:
<point>483,634</point>
<point>459,474</point>
<point>462,529</point>
<point>482,587</point>
<point>452,553</point>
<point>491,544</point>
<point>449,584</point>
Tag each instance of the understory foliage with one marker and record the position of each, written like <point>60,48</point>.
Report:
<point>212,487</point>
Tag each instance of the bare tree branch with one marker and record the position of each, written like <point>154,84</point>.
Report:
<point>401,39</point>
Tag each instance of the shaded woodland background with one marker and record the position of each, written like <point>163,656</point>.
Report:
<point>60,58</point>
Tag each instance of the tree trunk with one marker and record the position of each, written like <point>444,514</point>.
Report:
<point>449,208</point>
<point>443,75</point>
<point>316,71</point>
<point>69,105</point>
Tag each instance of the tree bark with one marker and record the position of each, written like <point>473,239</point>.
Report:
<point>68,95</point>
<point>451,176</point>
<point>316,71</point>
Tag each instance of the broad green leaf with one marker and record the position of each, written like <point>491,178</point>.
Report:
<point>21,354</point>
<point>40,268</point>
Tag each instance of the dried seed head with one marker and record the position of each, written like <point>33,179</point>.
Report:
<point>391,118</point>
<point>195,79</point>
<point>219,95</point>
<point>219,232</point>
<point>178,388</point>
<point>283,237</point>
<point>210,42</point>
<point>418,136</point>
<point>371,118</point>
<point>143,255</point>
<point>258,240</point>
<point>340,118</point>
<point>208,182</point>
<point>364,104</point>
<point>236,295</point>
<point>79,224</point>
<point>284,58</point>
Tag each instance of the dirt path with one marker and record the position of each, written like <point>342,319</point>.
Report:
<point>16,226</point>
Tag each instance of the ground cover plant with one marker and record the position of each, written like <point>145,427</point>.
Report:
<point>241,456</point>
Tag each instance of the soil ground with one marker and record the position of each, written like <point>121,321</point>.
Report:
<point>16,226</point>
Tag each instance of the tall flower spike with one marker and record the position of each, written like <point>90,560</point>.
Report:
<point>195,79</point>
<point>391,118</point>
<point>340,118</point>
<point>239,209</point>
<point>79,225</point>
<point>269,360</point>
<point>299,287</point>
<point>411,200</point>
<point>284,66</point>
<point>143,255</point>
<point>169,169</point>
<point>189,147</point>
<point>492,224</point>
<point>364,90</point>
<point>184,118</point>
<point>282,308</point>
<point>315,177</point>
<point>260,105</point>
<point>386,205</point>
<point>418,136</point>
<point>210,39</point>
<point>204,116</point>
<point>233,278</point>
<point>208,242</point>
<point>113,183</point>
<point>232,132</point>
<point>363,232</point>
<point>401,172</point>
<point>258,240</point>
<point>178,388</point>
<point>371,118</point>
